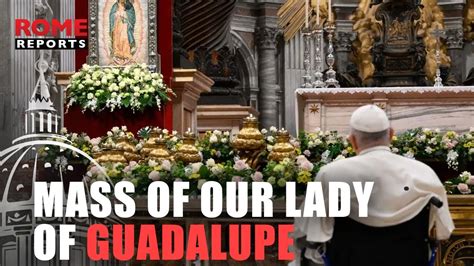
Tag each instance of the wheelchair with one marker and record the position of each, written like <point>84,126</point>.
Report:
<point>356,244</point>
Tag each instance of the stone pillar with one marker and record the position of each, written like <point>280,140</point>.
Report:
<point>343,49</point>
<point>344,33</point>
<point>455,43</point>
<point>267,76</point>
<point>23,78</point>
<point>5,75</point>
<point>67,57</point>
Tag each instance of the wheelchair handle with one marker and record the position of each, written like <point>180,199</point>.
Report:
<point>436,202</point>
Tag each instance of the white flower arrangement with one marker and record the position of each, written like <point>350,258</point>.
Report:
<point>133,87</point>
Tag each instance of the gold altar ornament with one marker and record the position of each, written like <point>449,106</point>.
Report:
<point>161,152</point>
<point>124,143</point>
<point>249,137</point>
<point>188,153</point>
<point>250,141</point>
<point>150,143</point>
<point>283,148</point>
<point>109,155</point>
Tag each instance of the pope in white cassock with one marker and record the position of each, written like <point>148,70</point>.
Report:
<point>400,215</point>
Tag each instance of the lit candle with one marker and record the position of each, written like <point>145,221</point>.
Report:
<point>306,14</point>
<point>317,13</point>
<point>330,10</point>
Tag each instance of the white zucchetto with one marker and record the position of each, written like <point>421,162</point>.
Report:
<point>369,119</point>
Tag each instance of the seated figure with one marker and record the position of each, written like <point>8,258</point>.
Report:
<point>400,217</point>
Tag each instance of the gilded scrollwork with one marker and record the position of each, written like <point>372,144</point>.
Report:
<point>459,252</point>
<point>291,16</point>
<point>432,18</point>
<point>469,21</point>
<point>368,29</point>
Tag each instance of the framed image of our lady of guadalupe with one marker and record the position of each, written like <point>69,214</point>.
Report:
<point>123,32</point>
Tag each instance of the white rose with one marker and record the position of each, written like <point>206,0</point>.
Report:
<point>224,140</point>
<point>213,138</point>
<point>154,176</point>
<point>210,163</point>
<point>90,96</point>
<point>195,167</point>
<point>428,150</point>
<point>166,165</point>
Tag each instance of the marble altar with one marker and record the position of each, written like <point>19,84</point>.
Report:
<point>447,108</point>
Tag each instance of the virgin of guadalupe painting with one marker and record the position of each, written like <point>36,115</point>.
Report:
<point>121,34</point>
<point>122,21</point>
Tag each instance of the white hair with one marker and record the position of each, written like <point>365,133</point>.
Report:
<point>365,138</point>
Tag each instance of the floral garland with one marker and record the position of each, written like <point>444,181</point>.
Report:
<point>219,163</point>
<point>133,87</point>
<point>216,145</point>
<point>456,149</point>
<point>63,159</point>
<point>463,184</point>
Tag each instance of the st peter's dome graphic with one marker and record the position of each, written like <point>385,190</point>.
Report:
<point>20,167</point>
